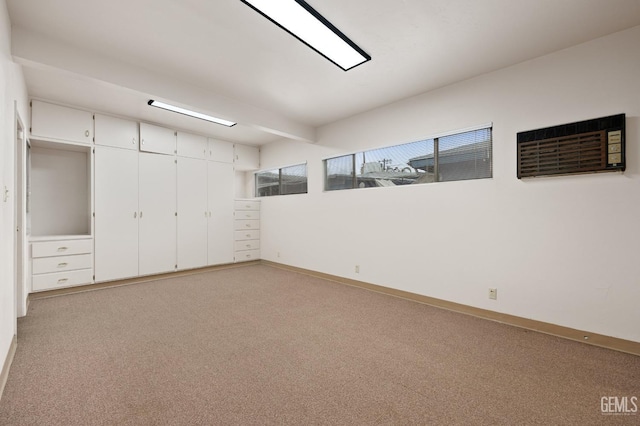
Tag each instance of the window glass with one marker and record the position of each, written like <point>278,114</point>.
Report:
<point>268,183</point>
<point>465,156</point>
<point>293,180</point>
<point>395,165</point>
<point>339,173</point>
<point>287,180</point>
<point>461,156</point>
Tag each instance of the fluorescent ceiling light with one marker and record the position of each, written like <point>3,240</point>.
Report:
<point>306,24</point>
<point>190,113</point>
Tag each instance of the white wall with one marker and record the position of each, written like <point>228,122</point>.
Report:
<point>12,88</point>
<point>563,250</point>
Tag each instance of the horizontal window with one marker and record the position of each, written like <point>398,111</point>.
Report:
<point>283,181</point>
<point>459,156</point>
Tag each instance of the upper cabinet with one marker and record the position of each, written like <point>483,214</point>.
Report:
<point>246,157</point>
<point>192,146</point>
<point>220,151</point>
<point>157,139</point>
<point>56,122</point>
<point>116,132</point>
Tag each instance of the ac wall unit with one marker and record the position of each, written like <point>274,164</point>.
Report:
<point>589,146</point>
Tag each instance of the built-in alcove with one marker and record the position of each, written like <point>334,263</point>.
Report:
<point>59,196</point>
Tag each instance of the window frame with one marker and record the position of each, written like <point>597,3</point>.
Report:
<point>279,169</point>
<point>435,138</point>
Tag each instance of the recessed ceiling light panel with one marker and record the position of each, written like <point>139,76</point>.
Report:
<point>307,25</point>
<point>190,113</point>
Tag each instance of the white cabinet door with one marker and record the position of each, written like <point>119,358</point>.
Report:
<point>246,157</point>
<point>157,139</point>
<point>111,131</point>
<point>221,231</point>
<point>220,151</point>
<point>61,123</point>
<point>192,146</point>
<point>116,207</point>
<point>157,217</point>
<point>192,213</point>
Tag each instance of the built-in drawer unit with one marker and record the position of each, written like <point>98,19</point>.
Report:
<point>45,265</point>
<point>58,262</point>
<point>247,224</point>
<point>247,255</point>
<point>61,279</point>
<point>253,234</point>
<point>247,205</point>
<point>248,214</point>
<point>61,248</point>
<point>247,245</point>
<point>247,230</point>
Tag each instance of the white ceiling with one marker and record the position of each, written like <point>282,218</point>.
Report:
<point>222,58</point>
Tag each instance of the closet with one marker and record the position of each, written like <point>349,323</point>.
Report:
<point>192,201</point>
<point>158,213</point>
<point>116,198</point>
<point>112,198</point>
<point>59,197</point>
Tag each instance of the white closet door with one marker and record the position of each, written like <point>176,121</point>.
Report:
<point>192,213</point>
<point>157,218</point>
<point>221,199</point>
<point>116,207</point>
<point>157,139</point>
<point>220,151</point>
<point>246,157</point>
<point>116,132</point>
<point>192,146</point>
<point>63,123</point>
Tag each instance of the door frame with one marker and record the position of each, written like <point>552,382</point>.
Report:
<point>20,242</point>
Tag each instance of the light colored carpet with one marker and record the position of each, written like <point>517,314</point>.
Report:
<point>260,345</point>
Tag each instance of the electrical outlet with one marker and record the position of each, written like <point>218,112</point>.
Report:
<point>493,293</point>
<point>357,269</point>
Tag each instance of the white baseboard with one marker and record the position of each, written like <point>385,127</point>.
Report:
<point>4,374</point>
<point>582,336</point>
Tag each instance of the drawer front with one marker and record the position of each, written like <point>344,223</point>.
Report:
<point>62,279</point>
<point>61,248</point>
<point>247,214</point>
<point>45,265</point>
<point>247,255</point>
<point>247,205</point>
<point>247,235</point>
<point>247,245</point>
<point>247,224</point>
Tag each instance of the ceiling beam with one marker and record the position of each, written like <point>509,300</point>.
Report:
<point>29,48</point>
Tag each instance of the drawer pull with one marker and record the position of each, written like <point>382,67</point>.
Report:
<point>249,256</point>
<point>62,280</point>
<point>63,248</point>
<point>248,225</point>
<point>62,265</point>
<point>248,235</point>
<point>248,245</point>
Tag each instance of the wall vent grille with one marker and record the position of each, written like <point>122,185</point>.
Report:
<point>584,147</point>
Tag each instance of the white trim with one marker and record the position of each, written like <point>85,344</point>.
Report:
<point>6,365</point>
